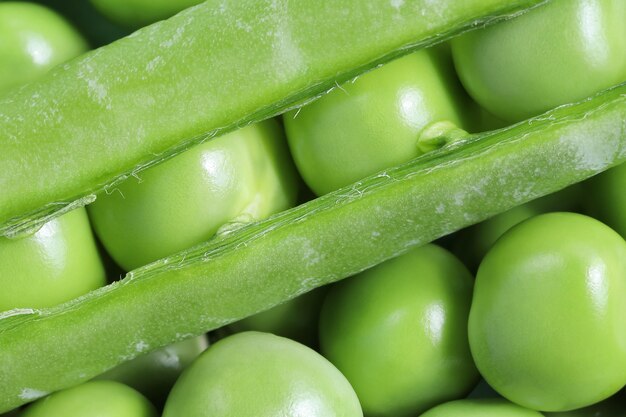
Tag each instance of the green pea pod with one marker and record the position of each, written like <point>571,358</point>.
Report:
<point>121,108</point>
<point>262,264</point>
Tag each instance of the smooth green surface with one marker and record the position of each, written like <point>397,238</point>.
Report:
<point>33,39</point>
<point>93,399</point>
<point>398,332</point>
<point>374,122</point>
<point>137,13</point>
<point>546,324</point>
<point>332,237</point>
<point>480,408</point>
<point>256,374</point>
<point>559,53</point>
<point>155,373</point>
<point>57,263</point>
<point>241,177</point>
<point>214,67</point>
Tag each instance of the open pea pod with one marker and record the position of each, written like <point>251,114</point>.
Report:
<point>238,274</point>
<point>260,265</point>
<point>212,68</point>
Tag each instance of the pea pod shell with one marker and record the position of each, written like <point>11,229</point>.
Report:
<point>212,68</point>
<point>256,267</point>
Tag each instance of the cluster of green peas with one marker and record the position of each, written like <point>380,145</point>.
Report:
<point>545,312</point>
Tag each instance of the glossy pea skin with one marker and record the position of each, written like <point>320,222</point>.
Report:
<point>480,408</point>
<point>242,176</point>
<point>155,373</point>
<point>93,399</point>
<point>398,332</point>
<point>254,374</point>
<point>55,264</point>
<point>138,13</point>
<point>33,39</point>
<point>546,324</point>
<point>559,53</point>
<point>374,122</point>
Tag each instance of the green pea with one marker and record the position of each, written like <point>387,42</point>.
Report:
<point>34,40</point>
<point>97,398</point>
<point>546,321</point>
<point>480,408</point>
<point>398,332</point>
<point>255,374</point>
<point>240,177</point>
<point>559,53</point>
<point>372,123</point>
<point>57,263</point>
